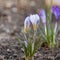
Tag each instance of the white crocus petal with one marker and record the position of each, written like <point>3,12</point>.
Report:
<point>27,24</point>
<point>35,20</point>
<point>32,18</point>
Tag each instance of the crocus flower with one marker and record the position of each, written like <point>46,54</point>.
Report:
<point>27,24</point>
<point>42,14</point>
<point>56,11</point>
<point>35,20</point>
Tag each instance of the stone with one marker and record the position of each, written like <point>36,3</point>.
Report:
<point>1,57</point>
<point>57,57</point>
<point>23,58</point>
<point>15,55</point>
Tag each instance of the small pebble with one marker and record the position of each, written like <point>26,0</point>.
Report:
<point>15,55</point>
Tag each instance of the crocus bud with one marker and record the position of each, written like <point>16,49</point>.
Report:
<point>56,11</point>
<point>35,20</point>
<point>27,24</point>
<point>42,14</point>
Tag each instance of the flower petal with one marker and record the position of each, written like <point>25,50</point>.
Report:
<point>42,14</point>
<point>56,11</point>
<point>27,24</point>
<point>35,20</point>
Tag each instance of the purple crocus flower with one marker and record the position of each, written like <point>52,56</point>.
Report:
<point>56,11</point>
<point>42,15</point>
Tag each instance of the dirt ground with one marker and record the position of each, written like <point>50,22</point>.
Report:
<point>11,21</point>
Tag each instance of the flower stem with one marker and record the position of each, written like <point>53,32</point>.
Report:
<point>55,32</point>
<point>45,30</point>
<point>29,58</point>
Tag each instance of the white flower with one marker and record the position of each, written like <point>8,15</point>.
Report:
<point>35,20</point>
<point>27,24</point>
